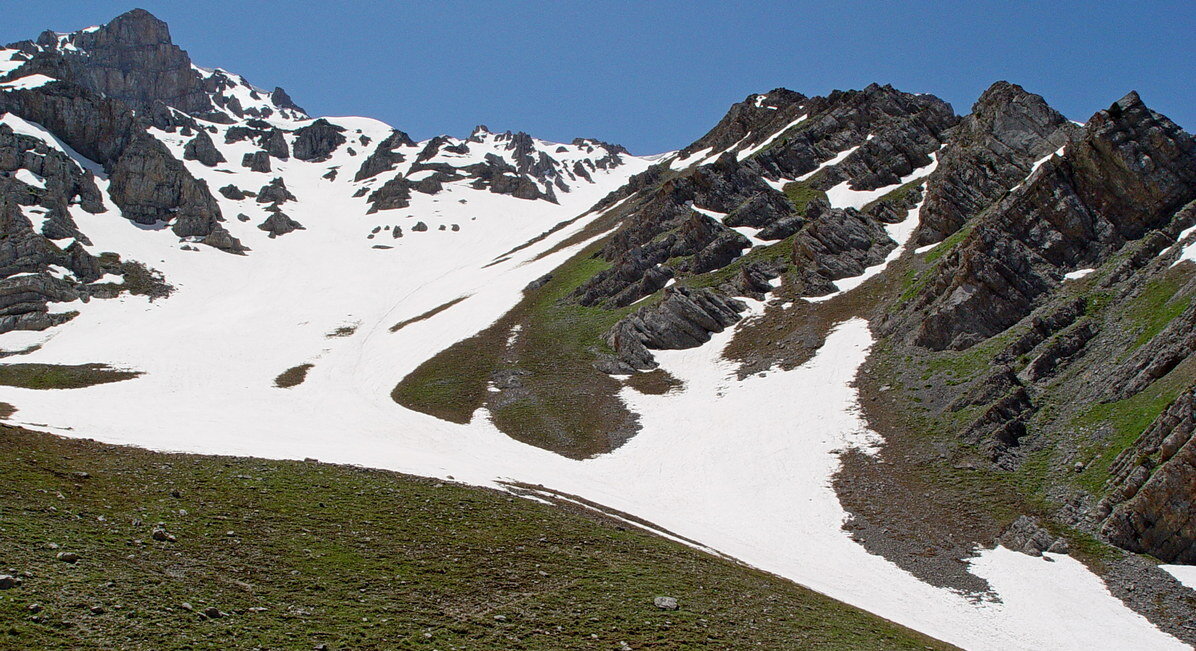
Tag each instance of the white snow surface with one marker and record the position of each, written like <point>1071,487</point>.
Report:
<point>27,82</point>
<point>709,465</point>
<point>842,196</point>
<point>1185,574</point>
<point>1077,274</point>
<point>780,132</point>
<point>1187,251</point>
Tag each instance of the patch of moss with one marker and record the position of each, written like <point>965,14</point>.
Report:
<point>801,193</point>
<point>656,382</point>
<point>292,377</point>
<point>1127,419</point>
<point>61,376</point>
<point>950,243</point>
<point>1155,307</point>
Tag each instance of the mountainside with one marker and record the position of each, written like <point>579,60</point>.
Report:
<point>858,341</point>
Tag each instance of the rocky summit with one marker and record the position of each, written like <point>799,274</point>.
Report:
<point>936,366</point>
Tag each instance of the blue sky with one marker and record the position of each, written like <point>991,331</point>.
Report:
<point>656,75</point>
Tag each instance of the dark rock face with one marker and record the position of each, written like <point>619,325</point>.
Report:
<point>231,191</point>
<point>893,133</point>
<point>280,99</point>
<point>754,119</point>
<point>146,181</point>
<point>1130,173</point>
<point>132,59</point>
<point>684,318</point>
<point>316,141</point>
<point>384,157</point>
<point>395,193</point>
<point>837,244</point>
<point>275,192</point>
<point>152,186</point>
<point>1029,537</point>
<point>278,223</point>
<point>258,161</point>
<point>988,153</point>
<point>275,144</point>
<point>1152,510</point>
<point>202,149</point>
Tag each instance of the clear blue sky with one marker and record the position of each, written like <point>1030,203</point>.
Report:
<point>656,75</point>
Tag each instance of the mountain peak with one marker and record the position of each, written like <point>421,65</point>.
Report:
<point>138,27</point>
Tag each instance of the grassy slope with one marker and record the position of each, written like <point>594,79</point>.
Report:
<point>60,376</point>
<point>566,405</point>
<point>299,554</point>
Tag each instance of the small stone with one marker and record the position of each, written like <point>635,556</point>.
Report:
<point>162,535</point>
<point>174,492</point>
<point>1078,467</point>
<point>81,475</point>
<point>212,612</point>
<point>35,608</point>
<point>7,581</point>
<point>67,557</point>
<point>665,603</point>
<point>97,610</point>
<point>500,618</point>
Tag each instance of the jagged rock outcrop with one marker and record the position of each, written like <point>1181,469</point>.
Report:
<point>394,194</point>
<point>1151,508</point>
<point>132,59</point>
<point>145,180</point>
<point>1026,535</point>
<point>684,318</point>
<point>384,158</point>
<point>231,191</point>
<point>837,244</point>
<point>317,141</point>
<point>202,149</point>
<point>750,121</point>
<point>274,143</point>
<point>987,153</point>
<point>275,192</point>
<point>1130,173</point>
<point>152,186</point>
<point>258,161</point>
<point>279,223</point>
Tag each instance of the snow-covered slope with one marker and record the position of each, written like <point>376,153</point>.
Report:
<point>376,231</point>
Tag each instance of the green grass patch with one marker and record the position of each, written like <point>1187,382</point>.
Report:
<point>564,404</point>
<point>950,243</point>
<point>1156,307</point>
<point>61,376</point>
<point>654,383</point>
<point>296,554</point>
<point>968,363</point>
<point>800,194</point>
<point>1127,419</point>
<point>292,377</point>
